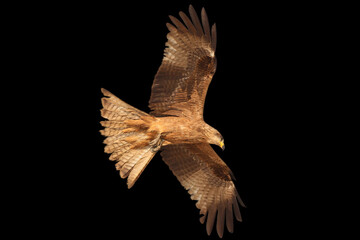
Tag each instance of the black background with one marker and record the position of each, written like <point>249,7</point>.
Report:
<point>255,100</point>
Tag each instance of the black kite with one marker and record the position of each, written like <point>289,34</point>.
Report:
<point>175,124</point>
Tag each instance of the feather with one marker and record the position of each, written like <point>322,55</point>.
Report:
<point>128,139</point>
<point>178,24</point>
<point>213,37</point>
<point>202,219</point>
<point>113,124</point>
<point>181,77</point>
<point>188,23</point>
<point>198,166</point>
<point>120,138</point>
<point>229,216</point>
<point>171,28</point>
<point>130,158</point>
<point>119,165</point>
<point>220,215</point>
<point>139,167</point>
<point>196,21</point>
<point>205,23</point>
<point>112,147</point>
<point>236,209</point>
<point>126,107</point>
<point>110,132</point>
<point>239,199</point>
<point>210,220</point>
<point>210,203</point>
<point>116,155</point>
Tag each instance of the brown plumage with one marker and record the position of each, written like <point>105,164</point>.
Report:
<point>175,124</point>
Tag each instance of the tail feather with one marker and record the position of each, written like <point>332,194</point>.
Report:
<point>114,144</point>
<point>131,158</point>
<point>113,105</point>
<point>113,124</point>
<point>109,132</point>
<point>128,140</point>
<point>139,167</point>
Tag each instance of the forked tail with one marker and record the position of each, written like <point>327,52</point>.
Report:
<point>128,138</point>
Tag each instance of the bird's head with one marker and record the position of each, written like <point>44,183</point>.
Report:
<point>221,143</point>
<point>214,137</point>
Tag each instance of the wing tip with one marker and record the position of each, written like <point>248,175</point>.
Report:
<point>240,200</point>
<point>170,27</point>
<point>191,7</point>
<point>107,93</point>
<point>213,37</point>
<point>194,26</point>
<point>104,91</point>
<point>202,219</point>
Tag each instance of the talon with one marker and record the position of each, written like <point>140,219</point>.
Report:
<point>157,145</point>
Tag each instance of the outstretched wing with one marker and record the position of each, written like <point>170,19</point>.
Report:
<point>189,63</point>
<point>208,180</point>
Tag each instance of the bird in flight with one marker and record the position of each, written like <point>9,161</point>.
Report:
<point>175,124</point>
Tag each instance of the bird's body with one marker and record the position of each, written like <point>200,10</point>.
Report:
<point>175,125</point>
<point>181,130</point>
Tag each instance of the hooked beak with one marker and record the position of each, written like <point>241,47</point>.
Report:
<point>222,145</point>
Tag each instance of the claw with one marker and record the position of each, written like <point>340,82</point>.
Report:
<point>156,147</point>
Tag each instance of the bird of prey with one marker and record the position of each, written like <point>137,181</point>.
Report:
<point>175,125</point>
